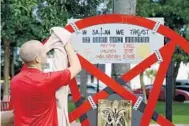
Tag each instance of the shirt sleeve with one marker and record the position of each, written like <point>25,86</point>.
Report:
<point>56,80</point>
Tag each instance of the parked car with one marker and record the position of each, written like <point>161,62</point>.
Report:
<point>183,87</point>
<point>162,92</point>
<point>182,82</point>
<point>148,90</point>
<point>180,95</point>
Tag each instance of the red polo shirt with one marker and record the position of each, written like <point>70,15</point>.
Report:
<point>33,96</point>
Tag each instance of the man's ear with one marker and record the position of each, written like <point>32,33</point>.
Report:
<point>38,59</point>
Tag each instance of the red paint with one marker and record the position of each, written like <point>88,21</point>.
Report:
<point>117,18</point>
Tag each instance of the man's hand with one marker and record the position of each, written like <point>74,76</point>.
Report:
<point>75,66</point>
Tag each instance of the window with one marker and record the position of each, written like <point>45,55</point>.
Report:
<point>92,79</point>
<point>186,83</point>
<point>178,83</point>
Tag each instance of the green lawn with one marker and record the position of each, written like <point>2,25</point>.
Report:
<point>71,106</point>
<point>180,111</point>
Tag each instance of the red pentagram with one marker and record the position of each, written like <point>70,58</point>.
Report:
<point>166,52</point>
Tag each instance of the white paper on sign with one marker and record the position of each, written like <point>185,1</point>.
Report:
<point>117,43</point>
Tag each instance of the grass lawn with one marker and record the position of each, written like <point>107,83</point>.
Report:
<point>180,112</point>
<point>71,106</point>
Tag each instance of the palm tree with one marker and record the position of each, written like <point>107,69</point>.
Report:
<point>142,84</point>
<point>151,74</point>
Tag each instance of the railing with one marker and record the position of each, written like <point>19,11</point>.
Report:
<point>5,105</point>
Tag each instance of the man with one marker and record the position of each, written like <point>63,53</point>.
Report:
<point>33,92</point>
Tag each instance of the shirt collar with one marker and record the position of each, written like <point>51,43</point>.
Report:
<point>33,70</point>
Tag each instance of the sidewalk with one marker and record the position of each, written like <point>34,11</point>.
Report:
<point>75,124</point>
<point>175,125</point>
<point>78,124</point>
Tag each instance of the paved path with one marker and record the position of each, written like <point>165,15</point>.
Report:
<point>175,125</point>
<point>77,124</point>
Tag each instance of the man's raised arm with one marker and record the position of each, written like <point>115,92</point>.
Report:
<point>75,66</point>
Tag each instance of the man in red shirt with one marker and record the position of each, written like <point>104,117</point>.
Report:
<point>33,92</point>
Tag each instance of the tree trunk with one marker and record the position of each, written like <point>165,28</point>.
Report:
<point>12,65</point>
<point>6,65</point>
<point>175,73</point>
<point>125,7</point>
<point>143,86</point>
<point>83,84</point>
<point>122,7</point>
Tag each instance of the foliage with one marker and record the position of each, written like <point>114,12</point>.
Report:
<point>17,61</point>
<point>151,74</point>
<point>31,19</point>
<point>50,13</point>
<point>18,22</point>
<point>175,13</point>
<point>23,20</point>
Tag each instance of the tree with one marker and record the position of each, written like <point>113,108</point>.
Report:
<point>142,84</point>
<point>23,20</point>
<point>151,74</point>
<point>176,17</point>
<point>126,7</point>
<point>123,7</point>
<point>16,20</point>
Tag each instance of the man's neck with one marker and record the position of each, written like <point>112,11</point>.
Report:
<point>35,66</point>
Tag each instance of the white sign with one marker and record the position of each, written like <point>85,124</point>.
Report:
<point>116,43</point>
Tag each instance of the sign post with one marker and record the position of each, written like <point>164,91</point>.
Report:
<point>169,91</point>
